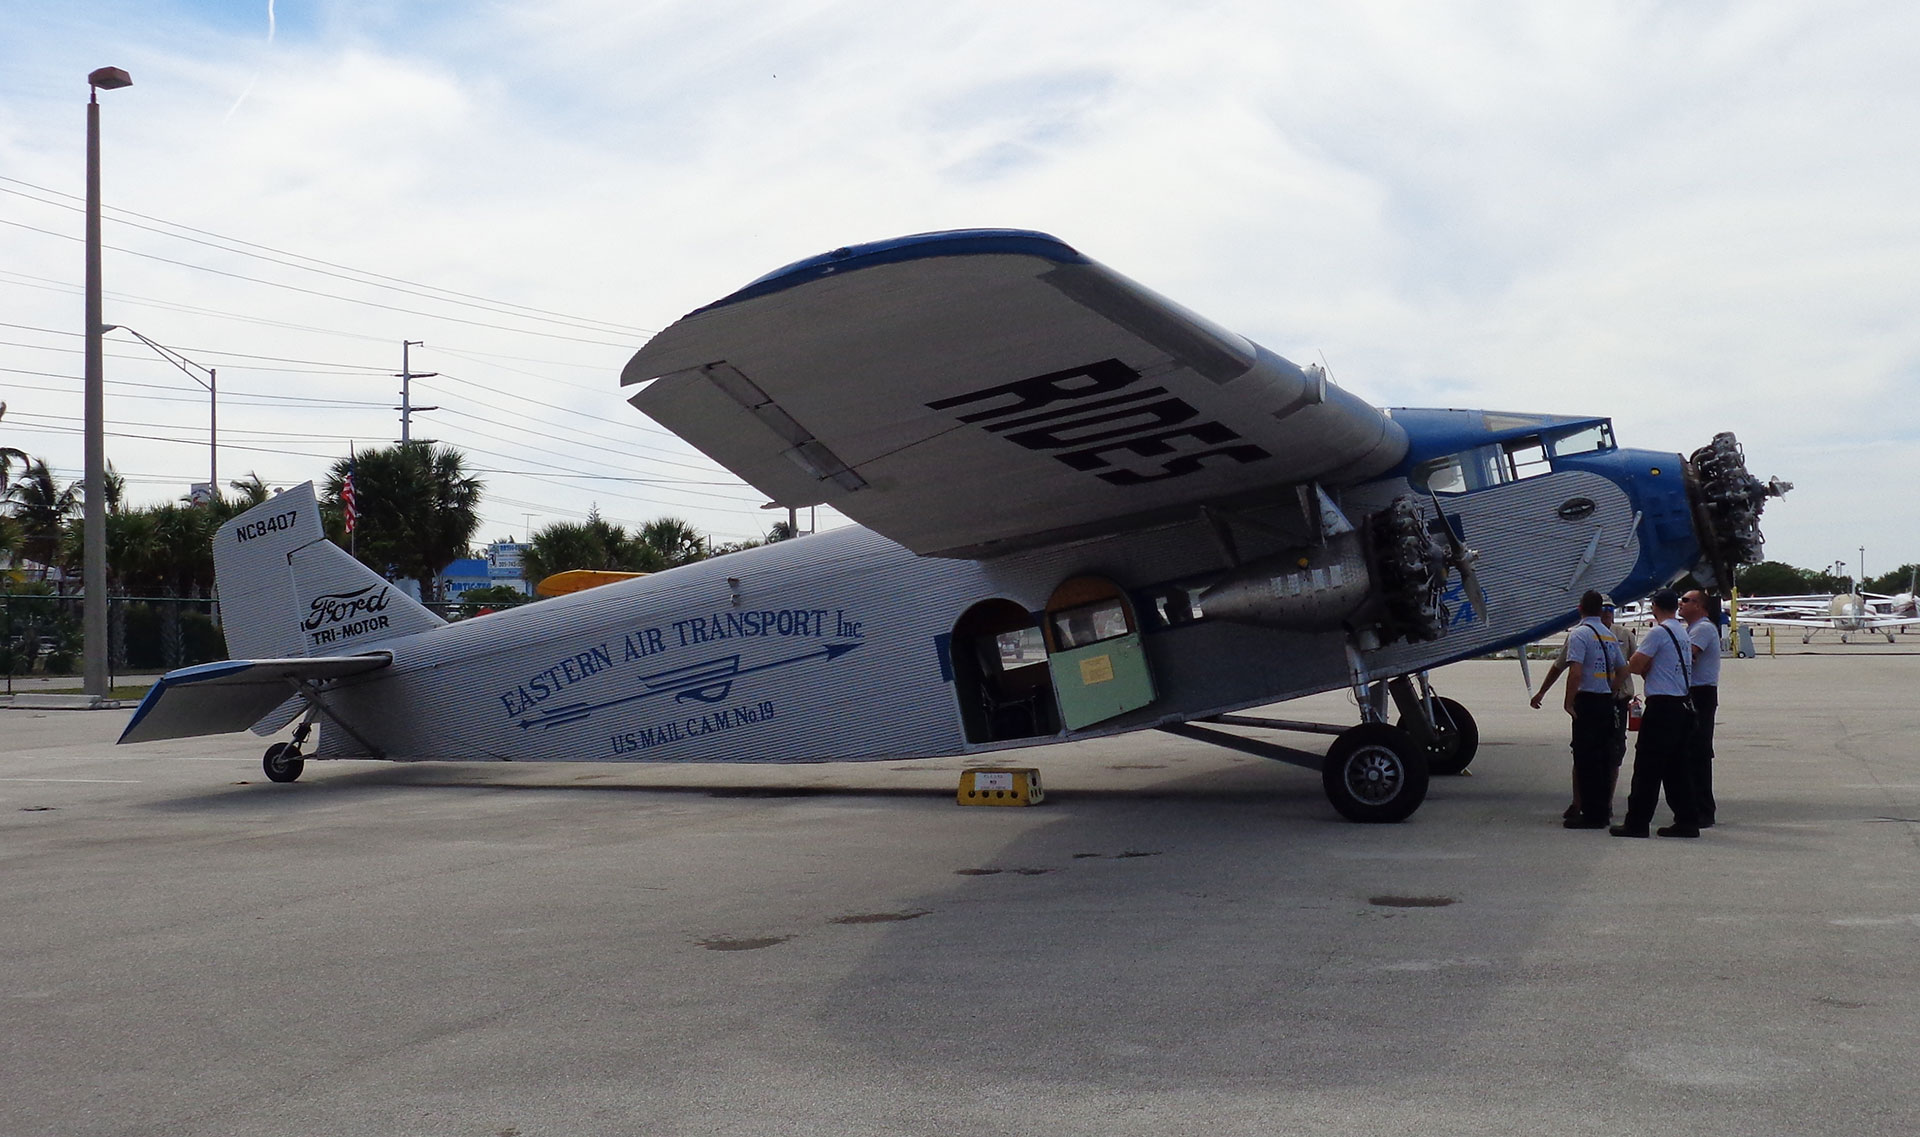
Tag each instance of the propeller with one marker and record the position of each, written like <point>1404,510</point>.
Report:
<point>1463,559</point>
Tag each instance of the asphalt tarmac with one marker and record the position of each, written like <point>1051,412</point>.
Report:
<point>1181,940</point>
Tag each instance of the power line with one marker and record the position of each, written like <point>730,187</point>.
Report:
<point>315,291</point>
<point>358,276</point>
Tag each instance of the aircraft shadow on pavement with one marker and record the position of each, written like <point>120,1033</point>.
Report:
<point>1279,786</point>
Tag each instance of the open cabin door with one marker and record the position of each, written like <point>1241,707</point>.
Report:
<point>1000,674</point>
<point>1093,650</point>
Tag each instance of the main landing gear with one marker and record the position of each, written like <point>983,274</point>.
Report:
<point>283,762</point>
<point>1375,771</point>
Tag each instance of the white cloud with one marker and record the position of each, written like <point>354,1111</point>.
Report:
<point>1693,217</point>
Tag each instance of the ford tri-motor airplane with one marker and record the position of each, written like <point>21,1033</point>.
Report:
<point>1082,510</point>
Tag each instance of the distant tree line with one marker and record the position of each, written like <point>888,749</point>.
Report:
<point>1776,578</point>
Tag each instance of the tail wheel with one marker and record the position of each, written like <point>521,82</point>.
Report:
<point>1456,738</point>
<point>1375,773</point>
<point>282,762</point>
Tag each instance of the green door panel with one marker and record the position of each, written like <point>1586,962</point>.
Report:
<point>1096,682</point>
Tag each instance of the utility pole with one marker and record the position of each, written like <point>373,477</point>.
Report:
<point>407,376</point>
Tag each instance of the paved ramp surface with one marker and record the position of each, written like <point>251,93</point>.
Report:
<point>1181,941</point>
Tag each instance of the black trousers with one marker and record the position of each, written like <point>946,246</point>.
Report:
<point>1706,701</point>
<point>1593,719</point>
<point>1660,760</point>
<point>1617,751</point>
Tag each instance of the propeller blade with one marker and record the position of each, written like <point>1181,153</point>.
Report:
<point>1463,559</point>
<point>1526,673</point>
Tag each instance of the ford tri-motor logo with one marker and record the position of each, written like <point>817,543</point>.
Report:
<point>349,607</point>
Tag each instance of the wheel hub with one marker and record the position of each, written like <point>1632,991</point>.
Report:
<point>1374,775</point>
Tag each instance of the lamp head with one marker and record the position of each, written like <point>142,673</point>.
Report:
<point>109,79</point>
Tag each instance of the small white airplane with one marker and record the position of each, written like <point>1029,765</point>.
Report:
<point>1082,510</point>
<point>1851,613</point>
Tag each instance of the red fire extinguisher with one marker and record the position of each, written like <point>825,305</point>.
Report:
<point>1633,713</point>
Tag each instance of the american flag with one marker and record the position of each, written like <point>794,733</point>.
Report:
<point>346,494</point>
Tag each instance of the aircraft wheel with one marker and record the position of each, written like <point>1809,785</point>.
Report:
<point>282,762</point>
<point>1375,772</point>
<point>1459,738</point>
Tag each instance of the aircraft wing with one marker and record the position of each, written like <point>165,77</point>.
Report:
<point>978,391</point>
<point>221,698</point>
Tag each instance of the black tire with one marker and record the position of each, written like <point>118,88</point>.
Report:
<point>282,762</point>
<point>1459,739</point>
<point>1375,773</point>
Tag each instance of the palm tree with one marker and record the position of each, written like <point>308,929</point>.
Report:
<point>8,456</point>
<point>416,505</point>
<point>42,506</point>
<point>677,542</point>
<point>596,544</point>
<point>251,490</point>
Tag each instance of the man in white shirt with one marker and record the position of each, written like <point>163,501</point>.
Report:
<point>1704,688</point>
<point>1595,669</point>
<point>1622,695</point>
<point>1664,664</point>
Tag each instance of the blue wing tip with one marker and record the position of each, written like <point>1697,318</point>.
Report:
<point>917,246</point>
<point>177,678</point>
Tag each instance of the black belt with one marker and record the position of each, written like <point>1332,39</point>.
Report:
<point>1666,698</point>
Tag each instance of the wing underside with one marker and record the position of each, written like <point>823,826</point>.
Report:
<point>222,698</point>
<point>969,393</point>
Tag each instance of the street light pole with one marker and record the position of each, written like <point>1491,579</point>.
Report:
<point>94,518</point>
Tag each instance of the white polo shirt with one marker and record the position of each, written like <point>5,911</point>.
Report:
<point>1668,673</point>
<point>1706,662</point>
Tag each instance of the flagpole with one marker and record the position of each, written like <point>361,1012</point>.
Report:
<point>353,504</point>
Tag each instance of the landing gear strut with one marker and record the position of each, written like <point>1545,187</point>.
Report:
<point>283,762</point>
<point>1439,726</point>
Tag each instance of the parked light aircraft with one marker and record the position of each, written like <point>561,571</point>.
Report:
<point>1851,613</point>
<point>1082,510</point>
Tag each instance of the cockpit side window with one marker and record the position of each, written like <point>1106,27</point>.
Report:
<point>1440,475</point>
<point>1586,440</point>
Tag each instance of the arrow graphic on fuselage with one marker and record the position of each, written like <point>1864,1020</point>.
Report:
<point>707,682</point>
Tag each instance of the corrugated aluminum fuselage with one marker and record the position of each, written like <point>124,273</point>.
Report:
<point>836,646</point>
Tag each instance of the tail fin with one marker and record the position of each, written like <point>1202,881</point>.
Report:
<point>286,591</point>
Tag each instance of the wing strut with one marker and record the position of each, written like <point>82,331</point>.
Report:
<point>315,695</point>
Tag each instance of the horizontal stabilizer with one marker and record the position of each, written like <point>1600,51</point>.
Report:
<point>230,696</point>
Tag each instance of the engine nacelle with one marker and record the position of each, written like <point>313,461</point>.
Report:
<point>1382,582</point>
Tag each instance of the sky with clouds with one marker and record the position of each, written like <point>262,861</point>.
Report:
<point>1692,216</point>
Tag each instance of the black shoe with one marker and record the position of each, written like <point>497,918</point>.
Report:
<point>1707,824</point>
<point>1577,823</point>
<point>1678,831</point>
<point>1628,831</point>
<point>1572,813</point>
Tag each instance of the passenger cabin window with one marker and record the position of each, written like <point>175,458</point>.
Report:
<point>1523,458</point>
<point>1089,624</point>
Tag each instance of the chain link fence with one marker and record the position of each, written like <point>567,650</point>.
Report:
<point>41,634</point>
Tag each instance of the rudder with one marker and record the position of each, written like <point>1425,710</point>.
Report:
<point>286,591</point>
